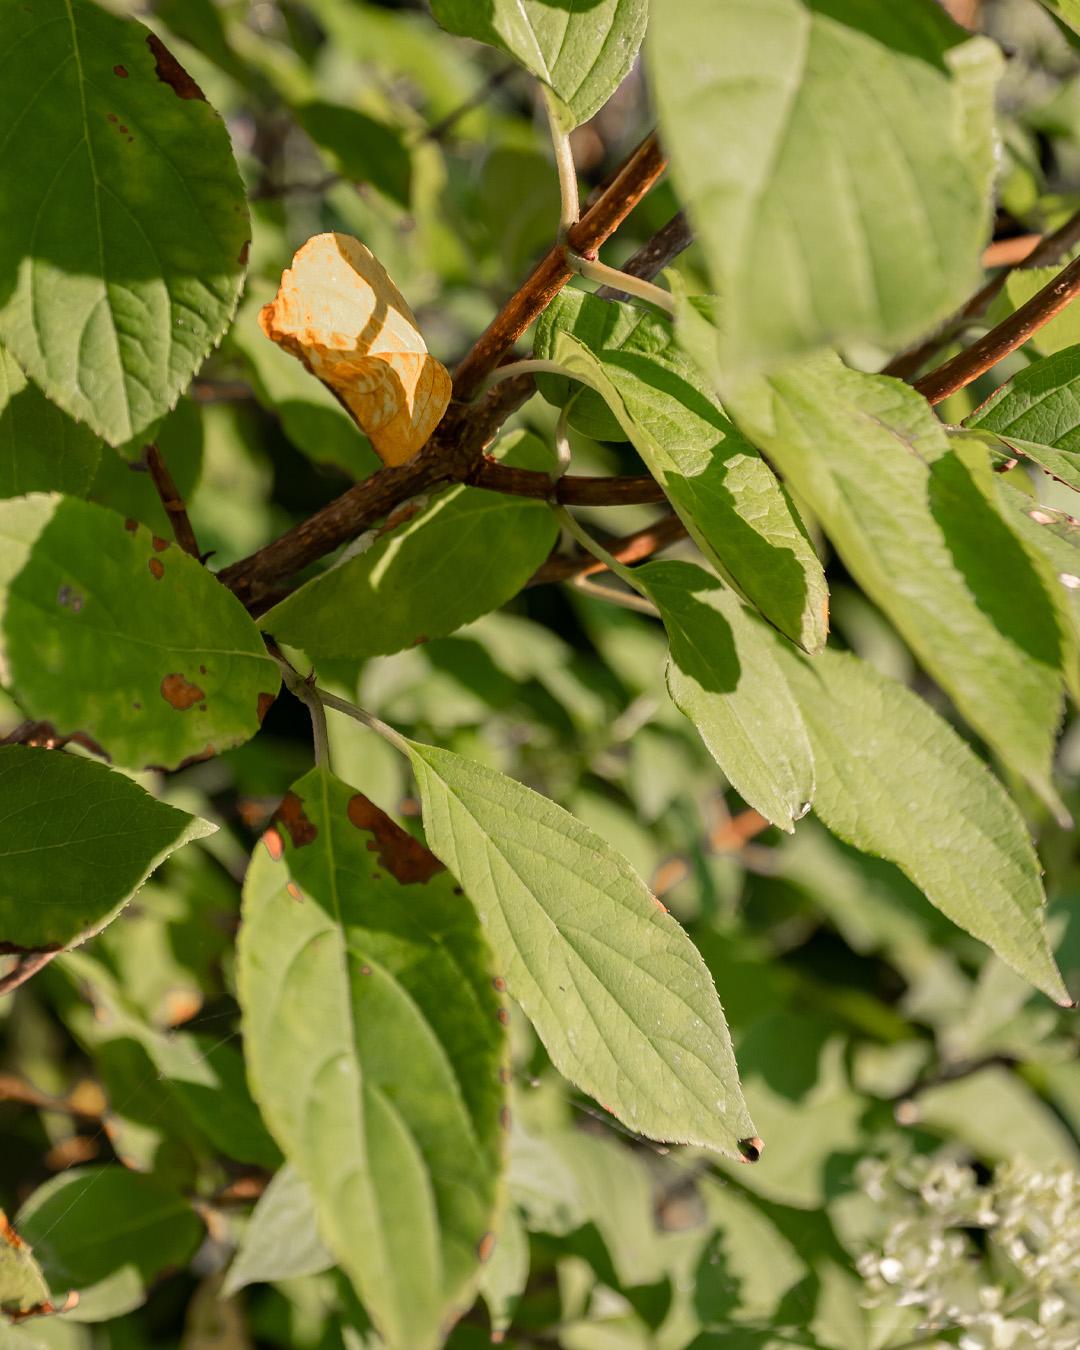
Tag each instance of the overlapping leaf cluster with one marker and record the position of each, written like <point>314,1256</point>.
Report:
<point>428,1003</point>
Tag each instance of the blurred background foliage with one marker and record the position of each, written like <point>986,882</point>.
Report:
<point>889,1062</point>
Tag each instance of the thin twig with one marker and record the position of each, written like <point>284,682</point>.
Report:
<point>303,688</point>
<point>454,451</point>
<point>654,255</point>
<point>1013,332</point>
<point>14,1089</point>
<point>631,548</point>
<point>171,500</point>
<point>26,968</point>
<point>573,490</point>
<point>1052,249</point>
<point>437,131</point>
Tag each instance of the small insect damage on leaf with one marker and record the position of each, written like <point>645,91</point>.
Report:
<point>295,892</point>
<point>244,254</point>
<point>160,545</point>
<point>292,815</point>
<point>121,71</point>
<point>171,72</point>
<point>404,857</point>
<point>180,693</point>
<point>485,1246</point>
<point>274,845</point>
<point>132,526</point>
<point>157,568</point>
<point>266,702</point>
<point>504,1017</point>
<point>69,599</point>
<point>751,1149</point>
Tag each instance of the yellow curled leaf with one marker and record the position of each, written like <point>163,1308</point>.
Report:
<point>339,313</point>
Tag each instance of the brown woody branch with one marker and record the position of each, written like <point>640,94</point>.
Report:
<point>571,490</point>
<point>1049,250</point>
<point>631,548</point>
<point>171,500</point>
<point>981,356</point>
<point>454,451</point>
<point>26,968</point>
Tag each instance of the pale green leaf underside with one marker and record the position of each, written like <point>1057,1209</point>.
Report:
<point>835,158</point>
<point>41,448</point>
<point>581,52</point>
<point>894,780</point>
<point>616,990</point>
<point>375,1048</point>
<point>281,1241</point>
<point>723,675</point>
<point>1038,412</point>
<point>77,840</point>
<point>123,223</point>
<point>912,524</point>
<point>112,632</point>
<point>723,491</point>
<point>464,554</point>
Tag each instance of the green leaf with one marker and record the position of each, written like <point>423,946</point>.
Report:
<point>915,528</point>
<point>169,664</point>
<point>22,1285</point>
<point>123,484</point>
<point>41,448</point>
<point>723,491</point>
<point>835,158</point>
<point>1068,11</point>
<point>123,225</point>
<point>360,148</point>
<point>1055,535</point>
<point>431,568</point>
<point>105,1233</point>
<point>722,674</point>
<point>281,1241</point>
<point>311,416</point>
<point>582,53</point>
<point>616,990</point>
<point>375,1041</point>
<point>77,840</point>
<point>507,1273</point>
<point>1038,412</point>
<point>894,780</point>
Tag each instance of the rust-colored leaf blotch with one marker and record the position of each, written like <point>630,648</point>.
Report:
<point>292,815</point>
<point>338,312</point>
<point>403,856</point>
<point>180,692</point>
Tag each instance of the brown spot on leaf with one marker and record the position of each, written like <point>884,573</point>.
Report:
<point>160,545</point>
<point>157,568</point>
<point>504,1075</point>
<point>274,845</point>
<point>485,1246</point>
<point>266,702</point>
<point>245,250</point>
<point>295,891</point>
<point>291,814</point>
<point>503,1016</point>
<point>131,525</point>
<point>499,983</point>
<point>121,71</point>
<point>504,1117</point>
<point>122,130</point>
<point>46,1309</point>
<point>180,693</point>
<point>365,970</point>
<point>404,857</point>
<point>113,117</point>
<point>171,72</point>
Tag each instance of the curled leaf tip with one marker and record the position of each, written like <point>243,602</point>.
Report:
<point>338,312</point>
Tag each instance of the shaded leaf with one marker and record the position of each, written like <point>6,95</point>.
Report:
<point>581,53</point>
<point>723,491</point>
<point>115,633</point>
<point>364,150</point>
<point>914,526</point>
<point>374,1041</point>
<point>281,1241</point>
<point>723,675</point>
<point>123,225</point>
<point>616,990</point>
<point>507,1273</point>
<point>835,159</point>
<point>41,448</point>
<point>77,840</point>
<point>108,1248</point>
<point>1038,412</point>
<point>894,780</point>
<point>432,567</point>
